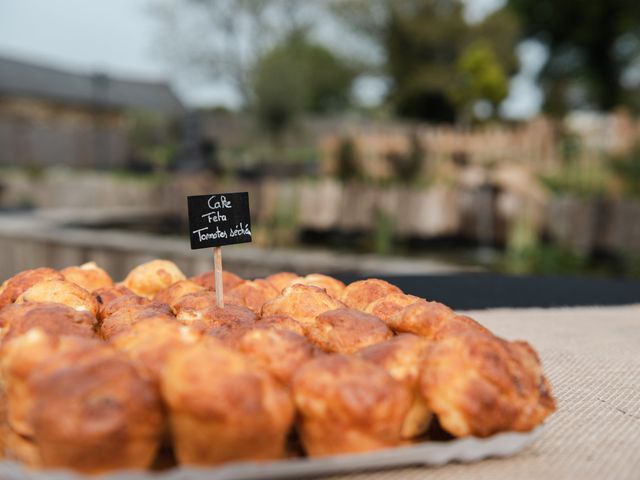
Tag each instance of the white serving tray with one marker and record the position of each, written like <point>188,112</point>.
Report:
<point>429,453</point>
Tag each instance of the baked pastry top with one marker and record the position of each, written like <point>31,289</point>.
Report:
<point>348,405</point>
<point>88,276</point>
<point>12,288</point>
<point>345,330</point>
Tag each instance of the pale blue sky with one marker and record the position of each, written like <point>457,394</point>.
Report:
<point>117,36</point>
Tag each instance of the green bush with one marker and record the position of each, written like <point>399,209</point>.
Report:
<point>626,169</point>
<point>348,167</point>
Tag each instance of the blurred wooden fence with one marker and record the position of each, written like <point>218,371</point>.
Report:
<point>538,144</point>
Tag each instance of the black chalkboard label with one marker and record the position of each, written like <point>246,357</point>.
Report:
<point>219,219</point>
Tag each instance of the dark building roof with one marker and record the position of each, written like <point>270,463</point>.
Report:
<point>23,79</point>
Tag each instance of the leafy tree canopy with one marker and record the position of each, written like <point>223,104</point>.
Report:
<point>297,76</point>
<point>424,41</point>
<point>591,44</point>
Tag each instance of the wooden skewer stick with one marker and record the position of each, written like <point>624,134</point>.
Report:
<point>217,270</point>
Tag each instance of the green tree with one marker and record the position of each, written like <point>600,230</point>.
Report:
<point>348,167</point>
<point>591,44</point>
<point>298,76</point>
<point>626,168</point>
<point>222,40</point>
<point>480,78</point>
<point>423,41</point>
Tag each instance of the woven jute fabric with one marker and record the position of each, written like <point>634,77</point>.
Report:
<point>592,357</point>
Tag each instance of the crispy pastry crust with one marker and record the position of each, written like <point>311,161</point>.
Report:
<point>112,418</point>
<point>386,307</point>
<point>104,296</point>
<point>189,308</point>
<point>348,405</point>
<point>281,322</point>
<point>207,280</point>
<point>131,302</point>
<point>231,333</point>
<point>345,330</point>
<point>361,293</point>
<point>171,295</point>
<point>214,316</point>
<point>301,302</point>
<point>60,291</point>
<point>22,449</point>
<point>280,352</point>
<point>125,318</point>
<point>150,343</point>
<point>88,276</point>
<point>401,357</point>
<point>227,324</point>
<point>480,385</point>
<point>251,294</point>
<point>11,289</point>
<point>223,408</point>
<point>434,321</point>
<point>52,318</point>
<point>149,278</point>
<point>282,280</point>
<point>30,353</point>
<point>332,286</point>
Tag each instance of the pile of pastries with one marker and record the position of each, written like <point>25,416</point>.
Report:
<point>149,372</point>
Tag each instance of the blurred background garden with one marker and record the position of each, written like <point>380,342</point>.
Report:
<point>463,134</point>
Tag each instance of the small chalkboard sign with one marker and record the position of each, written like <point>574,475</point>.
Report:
<point>219,219</point>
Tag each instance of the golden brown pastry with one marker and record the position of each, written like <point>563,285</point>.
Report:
<point>21,449</point>
<point>96,416</point>
<point>251,294</point>
<point>150,343</point>
<point>401,357</point>
<point>333,286</point>
<point>462,324</point>
<point>385,307</point>
<point>27,354</point>
<point>3,422</point>
<point>123,319</point>
<point>433,320</point>
<point>214,316</point>
<point>105,295</point>
<point>53,318</point>
<point>282,280</point>
<point>208,280</point>
<point>11,289</point>
<point>280,352</point>
<point>302,302</point>
<point>361,293</point>
<point>480,385</point>
<point>223,408</point>
<point>230,334</point>
<point>348,405</point>
<point>281,322</point>
<point>149,278</point>
<point>88,276</point>
<point>171,295</point>
<point>345,330</point>
<point>226,324</point>
<point>131,302</point>
<point>60,291</point>
<point>189,308</point>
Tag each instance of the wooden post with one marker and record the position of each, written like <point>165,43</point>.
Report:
<point>217,269</point>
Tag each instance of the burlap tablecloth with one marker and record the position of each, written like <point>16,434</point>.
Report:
<point>592,357</point>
